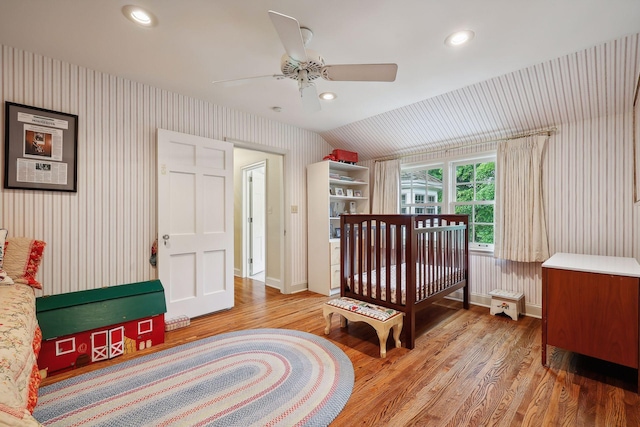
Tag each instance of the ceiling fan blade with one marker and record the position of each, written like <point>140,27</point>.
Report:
<point>243,80</point>
<point>310,100</point>
<point>289,31</point>
<point>360,72</point>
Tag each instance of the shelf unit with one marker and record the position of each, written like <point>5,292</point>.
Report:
<point>333,189</point>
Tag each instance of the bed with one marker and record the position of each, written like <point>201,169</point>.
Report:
<point>20,335</point>
<point>19,345</point>
<point>381,254</point>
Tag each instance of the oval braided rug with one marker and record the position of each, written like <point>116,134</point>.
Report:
<point>259,377</point>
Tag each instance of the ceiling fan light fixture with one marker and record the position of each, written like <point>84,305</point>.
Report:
<point>328,96</point>
<point>459,37</point>
<point>140,16</point>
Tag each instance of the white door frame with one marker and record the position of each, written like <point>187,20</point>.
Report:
<point>246,237</point>
<point>285,220</point>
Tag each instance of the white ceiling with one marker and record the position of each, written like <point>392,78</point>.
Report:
<point>199,41</point>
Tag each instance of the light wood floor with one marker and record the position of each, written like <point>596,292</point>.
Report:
<point>468,368</point>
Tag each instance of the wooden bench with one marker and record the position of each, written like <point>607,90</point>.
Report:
<point>381,318</point>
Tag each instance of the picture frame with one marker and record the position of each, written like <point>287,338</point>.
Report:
<point>357,193</point>
<point>339,191</point>
<point>41,149</point>
<point>349,192</point>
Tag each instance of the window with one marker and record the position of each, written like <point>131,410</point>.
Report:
<point>418,185</point>
<point>464,186</point>
<point>474,195</point>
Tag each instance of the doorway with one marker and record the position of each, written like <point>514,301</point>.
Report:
<point>254,219</point>
<point>248,162</point>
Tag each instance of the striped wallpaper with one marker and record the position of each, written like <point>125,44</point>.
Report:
<point>588,195</point>
<point>102,235</point>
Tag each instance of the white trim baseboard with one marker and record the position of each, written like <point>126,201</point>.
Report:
<point>485,301</point>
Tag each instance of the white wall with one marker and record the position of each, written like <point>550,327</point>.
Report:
<point>102,235</point>
<point>588,192</point>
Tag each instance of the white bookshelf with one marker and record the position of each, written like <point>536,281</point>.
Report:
<point>333,189</point>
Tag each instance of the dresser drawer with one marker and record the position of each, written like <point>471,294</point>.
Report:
<point>335,276</point>
<point>335,253</point>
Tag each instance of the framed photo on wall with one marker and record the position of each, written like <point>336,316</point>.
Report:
<point>41,148</point>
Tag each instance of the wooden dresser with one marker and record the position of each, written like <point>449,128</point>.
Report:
<point>590,306</point>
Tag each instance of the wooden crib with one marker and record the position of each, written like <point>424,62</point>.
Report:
<point>380,254</point>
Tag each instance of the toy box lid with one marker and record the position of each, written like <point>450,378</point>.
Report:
<point>65,314</point>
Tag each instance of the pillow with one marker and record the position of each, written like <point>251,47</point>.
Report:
<point>3,237</point>
<point>22,257</point>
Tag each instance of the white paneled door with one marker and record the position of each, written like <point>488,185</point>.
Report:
<point>195,223</point>
<point>257,224</point>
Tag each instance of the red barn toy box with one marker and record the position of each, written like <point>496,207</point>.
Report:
<point>83,327</point>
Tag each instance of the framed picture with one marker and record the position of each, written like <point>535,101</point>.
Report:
<point>357,193</point>
<point>41,148</point>
<point>339,191</point>
<point>349,192</point>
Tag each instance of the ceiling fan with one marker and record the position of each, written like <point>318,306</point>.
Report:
<point>305,65</point>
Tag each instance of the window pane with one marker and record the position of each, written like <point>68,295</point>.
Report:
<point>485,191</point>
<point>484,213</point>
<point>435,183</point>
<point>420,187</point>
<point>483,233</point>
<point>464,173</point>
<point>464,209</point>
<point>464,193</point>
<point>486,171</point>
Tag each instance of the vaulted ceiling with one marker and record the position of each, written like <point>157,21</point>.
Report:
<point>532,64</point>
<point>594,82</point>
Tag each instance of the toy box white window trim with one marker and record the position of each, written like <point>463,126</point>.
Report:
<point>63,347</point>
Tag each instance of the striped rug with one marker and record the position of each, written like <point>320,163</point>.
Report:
<point>259,377</point>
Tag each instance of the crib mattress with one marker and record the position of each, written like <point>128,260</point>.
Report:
<point>440,276</point>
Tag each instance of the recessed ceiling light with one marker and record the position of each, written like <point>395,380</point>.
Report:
<point>459,37</point>
<point>140,16</point>
<point>328,96</point>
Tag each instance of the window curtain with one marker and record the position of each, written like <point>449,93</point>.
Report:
<point>521,229</point>
<point>386,187</point>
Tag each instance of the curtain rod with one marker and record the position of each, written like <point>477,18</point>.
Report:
<point>547,131</point>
